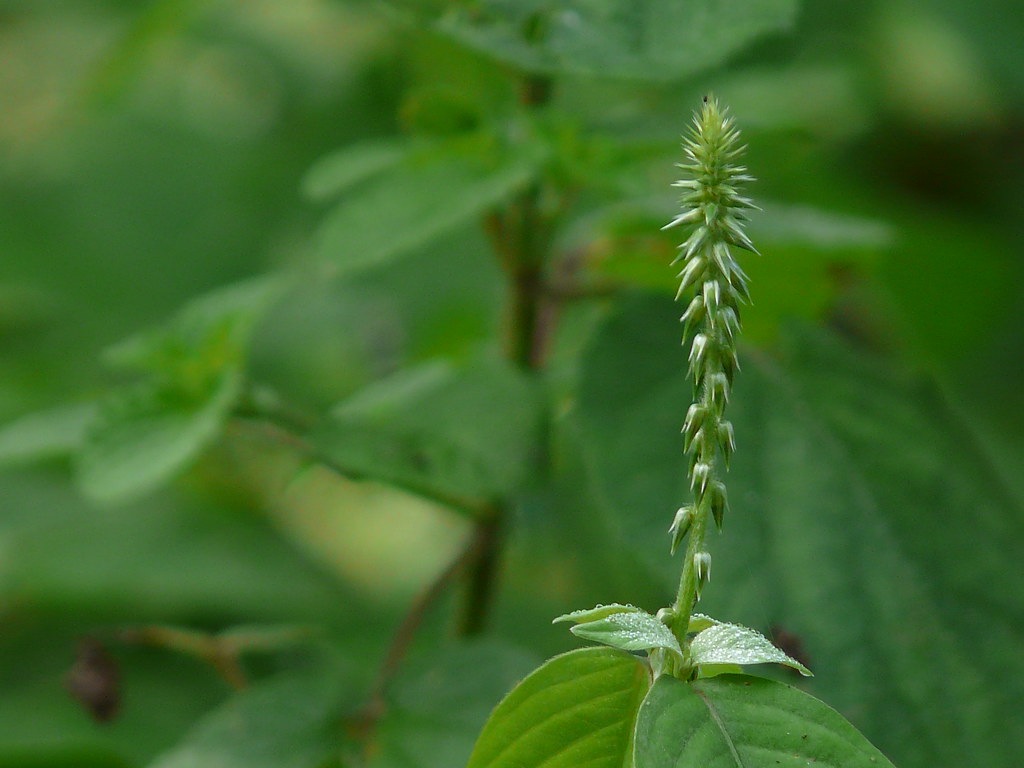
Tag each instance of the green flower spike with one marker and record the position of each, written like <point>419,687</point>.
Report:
<point>714,213</point>
<point>713,210</point>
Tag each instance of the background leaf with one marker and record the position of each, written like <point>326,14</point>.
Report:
<point>46,434</point>
<point>440,427</point>
<point>436,708</point>
<point>746,722</point>
<point>145,434</point>
<point>421,199</point>
<point>656,40</point>
<point>855,489</point>
<point>337,172</point>
<point>289,722</point>
<point>578,709</point>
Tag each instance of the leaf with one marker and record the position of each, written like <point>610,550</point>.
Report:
<point>337,172</point>
<point>597,612</point>
<point>206,337</point>
<point>735,644</point>
<point>860,492</point>
<point>700,622</point>
<point>469,432</point>
<point>45,435</point>
<point>655,40</point>
<point>576,711</point>
<point>420,200</point>
<point>288,722</point>
<point>145,434</point>
<point>746,722</point>
<point>629,631</point>
<point>434,714</point>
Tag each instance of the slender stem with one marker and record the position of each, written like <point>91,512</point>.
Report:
<point>519,235</point>
<point>482,573</point>
<point>405,634</point>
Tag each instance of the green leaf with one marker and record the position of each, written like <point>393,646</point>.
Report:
<point>143,435</point>
<point>629,631</point>
<point>700,622</point>
<point>576,711</point>
<point>746,722</point>
<point>337,172</point>
<point>435,712</point>
<point>45,435</point>
<point>861,490</point>
<point>468,432</point>
<point>205,338</point>
<point>289,722</point>
<point>655,40</point>
<point>735,644</point>
<point>597,612</point>
<point>421,199</point>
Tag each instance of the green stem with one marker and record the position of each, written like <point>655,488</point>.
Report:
<point>519,235</point>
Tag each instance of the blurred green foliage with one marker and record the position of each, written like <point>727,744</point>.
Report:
<point>297,200</point>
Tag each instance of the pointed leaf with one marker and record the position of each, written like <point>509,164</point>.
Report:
<point>145,434</point>
<point>629,631</point>
<point>654,40</point>
<point>419,200</point>
<point>205,337</point>
<point>735,644</point>
<point>435,710</point>
<point>745,722</point>
<point>578,710</point>
<point>46,434</point>
<point>289,722</point>
<point>439,427</point>
<point>335,173</point>
<point>597,612</point>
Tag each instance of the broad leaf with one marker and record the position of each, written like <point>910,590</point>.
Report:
<point>735,644</point>
<point>420,199</point>
<point>745,722</point>
<point>655,40</point>
<point>638,631</point>
<point>44,435</point>
<point>434,713</point>
<point>469,432</point>
<point>857,493</point>
<point>290,722</point>
<point>337,172</point>
<point>578,710</point>
<point>145,434</point>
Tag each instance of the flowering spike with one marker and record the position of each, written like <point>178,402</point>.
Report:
<point>713,212</point>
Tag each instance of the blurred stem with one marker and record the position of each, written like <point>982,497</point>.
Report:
<point>519,234</point>
<point>219,653</point>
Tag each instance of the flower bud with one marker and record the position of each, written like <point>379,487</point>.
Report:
<point>702,569</point>
<point>726,440</point>
<point>691,273</point>
<point>693,315</point>
<point>700,477</point>
<point>718,388</point>
<point>712,293</point>
<point>699,352</point>
<point>694,420</point>
<point>718,501</point>
<point>729,323</point>
<point>680,527</point>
